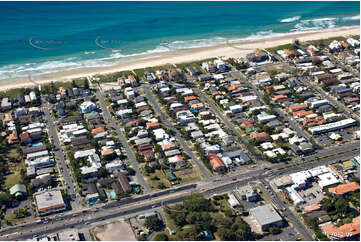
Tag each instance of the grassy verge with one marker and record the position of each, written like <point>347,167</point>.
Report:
<point>195,64</point>
<point>153,184</point>
<point>140,72</point>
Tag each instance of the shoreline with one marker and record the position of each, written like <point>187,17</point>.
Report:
<point>181,56</point>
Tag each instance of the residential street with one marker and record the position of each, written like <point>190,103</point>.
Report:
<point>205,172</point>
<point>226,121</point>
<point>60,158</point>
<point>123,140</point>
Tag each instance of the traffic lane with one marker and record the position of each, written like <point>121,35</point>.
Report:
<point>324,161</point>
<point>79,223</point>
<point>105,207</point>
<point>228,186</point>
<point>286,211</point>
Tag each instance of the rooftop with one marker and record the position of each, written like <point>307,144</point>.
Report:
<point>265,214</point>
<point>49,200</point>
<point>345,188</point>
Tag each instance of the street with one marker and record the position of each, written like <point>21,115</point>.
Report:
<point>116,209</point>
<point>205,172</point>
<point>123,140</point>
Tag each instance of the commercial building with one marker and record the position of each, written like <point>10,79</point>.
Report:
<point>266,216</point>
<point>248,193</point>
<point>332,126</point>
<point>282,181</point>
<point>327,180</point>
<point>296,198</point>
<point>48,202</point>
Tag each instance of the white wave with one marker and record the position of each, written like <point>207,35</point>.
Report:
<point>315,24</point>
<point>112,58</point>
<point>357,17</point>
<point>288,20</point>
<point>89,52</point>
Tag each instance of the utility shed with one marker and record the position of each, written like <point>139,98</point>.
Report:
<point>266,216</point>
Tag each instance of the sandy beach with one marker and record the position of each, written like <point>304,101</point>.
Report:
<point>181,56</point>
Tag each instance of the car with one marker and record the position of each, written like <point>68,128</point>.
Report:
<point>234,179</point>
<point>302,158</point>
<point>124,212</point>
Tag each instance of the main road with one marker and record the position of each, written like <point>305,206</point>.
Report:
<point>170,196</point>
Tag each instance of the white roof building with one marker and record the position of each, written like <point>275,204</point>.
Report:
<point>296,198</point>
<point>300,178</point>
<point>332,126</point>
<point>337,70</point>
<point>232,200</point>
<point>353,42</point>
<point>83,153</point>
<point>115,165</point>
<point>267,145</point>
<point>160,134</point>
<point>334,45</point>
<point>218,76</point>
<point>327,179</point>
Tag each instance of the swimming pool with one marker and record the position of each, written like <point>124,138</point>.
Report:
<point>112,195</point>
<point>36,144</point>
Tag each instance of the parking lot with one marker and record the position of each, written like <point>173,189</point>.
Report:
<point>347,135</point>
<point>288,234</point>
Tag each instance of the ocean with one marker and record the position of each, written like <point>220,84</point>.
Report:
<point>44,37</point>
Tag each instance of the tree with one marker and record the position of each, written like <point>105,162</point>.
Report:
<point>86,84</point>
<point>161,237</point>
<point>189,233</point>
<point>196,202</point>
<point>275,230</point>
<point>73,84</point>
<point>228,212</point>
<point>130,171</point>
<point>102,173</point>
<point>153,223</point>
<point>4,199</point>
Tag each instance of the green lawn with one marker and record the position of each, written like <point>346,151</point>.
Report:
<point>192,175</point>
<point>13,153</point>
<point>153,184</point>
<point>12,219</point>
<point>13,178</point>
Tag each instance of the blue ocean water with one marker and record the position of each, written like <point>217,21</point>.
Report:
<point>43,37</point>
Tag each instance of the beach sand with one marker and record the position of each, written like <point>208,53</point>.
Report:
<point>181,56</point>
